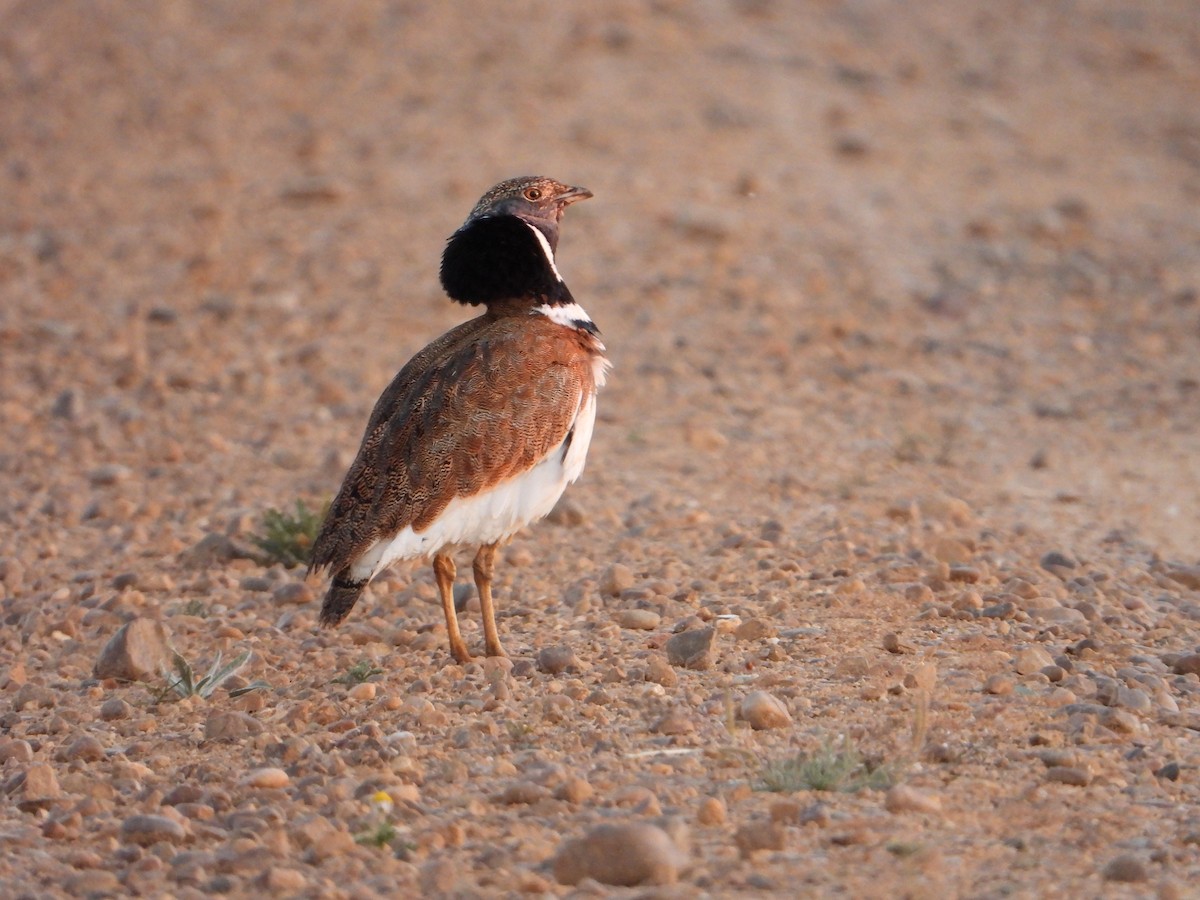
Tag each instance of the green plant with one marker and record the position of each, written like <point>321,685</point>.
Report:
<point>361,671</point>
<point>830,768</point>
<point>184,683</point>
<point>379,836</point>
<point>288,539</point>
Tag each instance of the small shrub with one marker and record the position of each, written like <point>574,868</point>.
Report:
<point>288,539</point>
<point>361,671</point>
<point>183,683</point>
<point>831,768</point>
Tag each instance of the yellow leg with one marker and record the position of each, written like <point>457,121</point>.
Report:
<point>443,570</point>
<point>485,564</point>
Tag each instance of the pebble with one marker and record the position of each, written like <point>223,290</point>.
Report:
<point>999,684</point>
<point>1032,659</point>
<point>364,691</point>
<point>903,798</point>
<point>575,789</point>
<point>282,880</point>
<point>521,793</point>
<point>712,811</point>
<point>639,619</point>
<point>266,777</point>
<point>764,711</point>
<point>1187,665</point>
<point>659,671</point>
<point>692,649</point>
<point>150,829</point>
<point>86,748</point>
<point>295,593</point>
<point>616,578</point>
<point>231,725</point>
<point>38,789</point>
<point>140,650</point>
<point>754,629</point>
<point>105,476</point>
<point>1127,869</point>
<point>759,835</point>
<point>893,644</point>
<point>557,659</point>
<point>114,709</point>
<point>1077,776</point>
<point>625,855</point>
<point>15,749</point>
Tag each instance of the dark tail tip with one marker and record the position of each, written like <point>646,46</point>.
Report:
<point>343,594</point>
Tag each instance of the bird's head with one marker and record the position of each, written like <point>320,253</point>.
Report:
<point>534,198</point>
<point>505,249</point>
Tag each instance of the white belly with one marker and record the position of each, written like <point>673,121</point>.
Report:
<point>494,514</point>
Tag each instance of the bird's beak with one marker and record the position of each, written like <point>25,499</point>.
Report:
<point>571,194</point>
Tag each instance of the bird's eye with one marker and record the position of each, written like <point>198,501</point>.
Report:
<point>533,194</point>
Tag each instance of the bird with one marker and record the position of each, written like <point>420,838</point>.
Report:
<point>480,433</point>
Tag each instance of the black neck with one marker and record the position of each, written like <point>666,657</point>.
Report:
<point>499,258</point>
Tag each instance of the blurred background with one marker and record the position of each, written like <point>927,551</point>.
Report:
<point>839,250</point>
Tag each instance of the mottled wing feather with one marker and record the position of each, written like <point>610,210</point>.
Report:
<point>347,523</point>
<point>489,408</point>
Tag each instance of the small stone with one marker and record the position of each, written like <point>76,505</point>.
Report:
<point>659,671</point>
<point>625,855</point>
<point>1055,561</point>
<point>105,476</point>
<point>759,835</point>
<point>231,725</point>
<point>557,659</point>
<point>115,708</point>
<point>86,748</point>
<point>125,580</point>
<point>711,812</point>
<point>692,649</point>
<point>639,619</point>
<point>1188,576</point>
<point>15,749</point>
<point>292,593</point>
<point>676,721</point>
<point>364,691</point>
<point>523,793</point>
<point>1072,775</point>
<point>1127,869</point>
<point>282,880</point>
<point>575,789</point>
<point>999,684</point>
<point>1120,721</point>
<point>754,629</point>
<point>139,650</point>
<point>38,789</point>
<point>1187,665</point>
<point>1033,659</point>
<point>616,578</point>
<point>763,711</point>
<point>267,777</point>
<point>892,644</point>
<point>149,829</point>
<point>903,798</point>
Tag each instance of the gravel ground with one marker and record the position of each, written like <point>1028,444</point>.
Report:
<point>898,466</point>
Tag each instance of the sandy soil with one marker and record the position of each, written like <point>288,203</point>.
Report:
<point>904,306</point>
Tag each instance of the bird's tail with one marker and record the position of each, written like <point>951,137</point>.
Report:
<point>343,594</point>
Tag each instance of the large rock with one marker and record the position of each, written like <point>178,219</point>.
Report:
<point>626,855</point>
<point>139,651</point>
<point>692,649</point>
